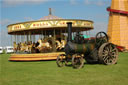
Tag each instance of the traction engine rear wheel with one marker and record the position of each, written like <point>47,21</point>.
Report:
<point>61,60</point>
<point>108,54</point>
<point>77,61</point>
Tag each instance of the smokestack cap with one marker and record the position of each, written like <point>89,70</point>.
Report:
<point>69,22</point>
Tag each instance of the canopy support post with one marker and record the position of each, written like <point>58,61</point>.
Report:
<point>30,38</point>
<point>27,37</point>
<point>24,37</point>
<point>15,38</point>
<point>61,36</point>
<point>65,36</point>
<point>11,40</point>
<point>54,39</point>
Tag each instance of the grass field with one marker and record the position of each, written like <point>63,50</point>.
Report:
<point>47,73</point>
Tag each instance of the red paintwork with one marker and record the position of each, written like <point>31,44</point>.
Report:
<point>120,48</point>
<point>117,11</point>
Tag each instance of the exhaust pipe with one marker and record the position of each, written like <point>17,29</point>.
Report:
<point>69,24</point>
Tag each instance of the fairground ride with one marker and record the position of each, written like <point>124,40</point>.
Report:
<point>43,39</point>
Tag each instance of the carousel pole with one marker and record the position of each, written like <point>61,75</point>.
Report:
<point>54,39</point>
<point>24,36</point>
<point>45,34</point>
<point>27,38</point>
<point>39,36</point>
<point>42,34</point>
<point>65,35</point>
<point>18,38</point>
<point>21,38</point>
<point>61,34</point>
<point>34,38</point>
<point>30,36</point>
<point>11,40</point>
<point>15,38</point>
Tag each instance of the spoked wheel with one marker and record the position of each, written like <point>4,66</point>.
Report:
<point>77,61</point>
<point>108,54</point>
<point>101,37</point>
<point>61,60</point>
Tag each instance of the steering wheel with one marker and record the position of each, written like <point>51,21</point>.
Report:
<point>101,37</point>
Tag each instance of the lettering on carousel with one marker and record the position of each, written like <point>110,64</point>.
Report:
<point>65,23</point>
<point>40,24</point>
<point>17,27</point>
<point>62,23</point>
<point>87,24</point>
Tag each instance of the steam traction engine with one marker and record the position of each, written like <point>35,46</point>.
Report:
<point>97,50</point>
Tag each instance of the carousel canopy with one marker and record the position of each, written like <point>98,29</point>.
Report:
<point>49,22</point>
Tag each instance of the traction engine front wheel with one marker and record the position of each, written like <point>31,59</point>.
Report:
<point>60,61</point>
<point>77,61</point>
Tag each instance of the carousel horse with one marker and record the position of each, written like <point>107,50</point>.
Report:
<point>44,46</point>
<point>26,47</point>
<point>23,47</point>
<point>58,45</point>
<point>63,43</point>
<point>47,44</point>
<point>39,44</point>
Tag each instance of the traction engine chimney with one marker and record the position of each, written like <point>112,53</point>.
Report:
<point>69,31</point>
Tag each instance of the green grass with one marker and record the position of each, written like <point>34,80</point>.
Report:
<point>47,73</point>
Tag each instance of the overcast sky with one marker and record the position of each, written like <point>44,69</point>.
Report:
<point>13,11</point>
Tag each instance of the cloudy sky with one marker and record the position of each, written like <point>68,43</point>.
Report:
<point>13,11</point>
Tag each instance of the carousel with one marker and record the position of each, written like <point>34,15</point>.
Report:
<point>43,39</point>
